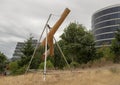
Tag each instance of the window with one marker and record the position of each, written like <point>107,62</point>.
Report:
<point>107,23</point>
<point>108,29</point>
<point>112,16</point>
<point>105,42</point>
<point>105,36</point>
<point>106,11</point>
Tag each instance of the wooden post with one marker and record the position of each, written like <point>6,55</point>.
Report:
<point>53,30</point>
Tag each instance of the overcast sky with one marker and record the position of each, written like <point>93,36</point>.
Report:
<point>19,18</point>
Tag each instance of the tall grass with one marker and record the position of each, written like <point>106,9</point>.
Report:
<point>96,76</point>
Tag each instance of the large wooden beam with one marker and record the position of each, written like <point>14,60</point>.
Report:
<point>53,31</point>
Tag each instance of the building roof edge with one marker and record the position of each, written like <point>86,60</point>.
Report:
<point>107,7</point>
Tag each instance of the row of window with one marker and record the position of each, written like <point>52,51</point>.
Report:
<point>108,23</point>
<point>112,16</point>
<point>108,29</point>
<point>105,42</point>
<point>105,36</point>
<point>106,11</point>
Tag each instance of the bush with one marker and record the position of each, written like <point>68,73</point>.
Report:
<point>15,69</point>
<point>49,65</point>
<point>115,47</point>
<point>99,54</point>
<point>41,66</point>
<point>107,53</point>
<point>13,66</point>
<point>74,64</point>
<point>21,70</point>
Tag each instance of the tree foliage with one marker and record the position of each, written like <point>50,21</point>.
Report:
<point>115,47</point>
<point>13,67</point>
<point>78,43</point>
<point>37,58</point>
<point>27,51</point>
<point>3,60</point>
<point>59,62</point>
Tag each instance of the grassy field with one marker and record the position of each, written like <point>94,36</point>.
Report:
<point>109,75</point>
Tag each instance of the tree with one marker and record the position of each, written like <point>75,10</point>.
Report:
<point>59,62</point>
<point>3,60</point>
<point>37,58</point>
<point>19,66</point>
<point>78,43</point>
<point>27,51</point>
<point>115,47</point>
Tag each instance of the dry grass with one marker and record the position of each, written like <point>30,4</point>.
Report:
<point>96,76</point>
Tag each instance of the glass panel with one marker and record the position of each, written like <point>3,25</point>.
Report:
<point>112,16</point>
<point>108,29</point>
<point>105,42</point>
<point>106,11</point>
<point>105,36</point>
<point>107,23</point>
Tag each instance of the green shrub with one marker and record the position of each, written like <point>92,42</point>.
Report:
<point>15,69</point>
<point>41,66</point>
<point>21,70</point>
<point>49,65</point>
<point>74,64</point>
<point>13,66</point>
<point>115,47</point>
<point>107,53</point>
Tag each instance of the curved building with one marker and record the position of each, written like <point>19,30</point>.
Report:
<point>105,22</point>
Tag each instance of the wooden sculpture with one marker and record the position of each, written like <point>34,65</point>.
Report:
<point>53,30</point>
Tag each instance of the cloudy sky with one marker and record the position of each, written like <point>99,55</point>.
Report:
<point>19,18</point>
